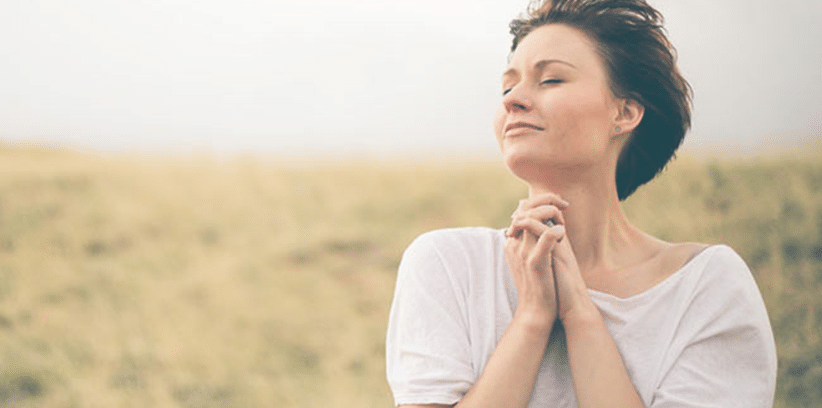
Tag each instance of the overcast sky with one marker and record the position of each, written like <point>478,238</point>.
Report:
<point>294,77</point>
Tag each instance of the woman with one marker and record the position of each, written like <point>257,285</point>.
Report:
<point>572,305</point>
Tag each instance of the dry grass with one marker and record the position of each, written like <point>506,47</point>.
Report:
<point>134,282</point>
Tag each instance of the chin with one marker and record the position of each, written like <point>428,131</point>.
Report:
<point>527,166</point>
<point>531,166</point>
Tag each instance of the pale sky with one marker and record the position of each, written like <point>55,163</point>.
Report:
<point>290,78</point>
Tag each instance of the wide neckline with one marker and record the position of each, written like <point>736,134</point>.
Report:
<point>676,275</point>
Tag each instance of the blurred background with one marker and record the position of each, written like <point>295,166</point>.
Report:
<point>292,78</point>
<point>203,204</point>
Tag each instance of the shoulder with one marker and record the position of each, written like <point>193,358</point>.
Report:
<point>447,241</point>
<point>725,292</point>
<point>451,256</point>
<point>715,285</point>
<point>720,263</point>
<point>711,263</point>
<point>463,234</point>
<point>723,343</point>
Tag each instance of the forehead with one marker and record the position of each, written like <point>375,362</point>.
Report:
<point>555,42</point>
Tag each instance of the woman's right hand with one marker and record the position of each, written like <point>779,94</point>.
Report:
<point>528,248</point>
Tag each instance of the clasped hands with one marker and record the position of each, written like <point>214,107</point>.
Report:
<point>544,267</point>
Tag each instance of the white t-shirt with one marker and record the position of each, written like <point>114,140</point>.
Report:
<point>700,338</point>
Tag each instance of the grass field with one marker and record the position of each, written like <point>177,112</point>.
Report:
<point>140,282</point>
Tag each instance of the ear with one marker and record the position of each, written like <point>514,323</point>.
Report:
<point>628,117</point>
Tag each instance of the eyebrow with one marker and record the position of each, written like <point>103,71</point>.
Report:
<point>539,65</point>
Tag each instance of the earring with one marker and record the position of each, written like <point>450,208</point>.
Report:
<point>618,129</point>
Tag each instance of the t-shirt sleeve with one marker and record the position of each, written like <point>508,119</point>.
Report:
<point>723,354</point>
<point>427,345</point>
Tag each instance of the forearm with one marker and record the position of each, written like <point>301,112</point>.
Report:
<point>508,378</point>
<point>598,372</point>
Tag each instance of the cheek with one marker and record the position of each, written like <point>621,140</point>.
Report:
<point>586,117</point>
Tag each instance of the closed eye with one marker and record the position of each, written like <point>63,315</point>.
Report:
<point>550,81</point>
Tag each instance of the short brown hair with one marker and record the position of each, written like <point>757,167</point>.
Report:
<point>641,65</point>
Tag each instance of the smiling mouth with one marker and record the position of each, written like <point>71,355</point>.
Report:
<point>521,125</point>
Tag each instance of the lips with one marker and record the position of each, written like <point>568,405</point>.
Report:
<point>521,125</point>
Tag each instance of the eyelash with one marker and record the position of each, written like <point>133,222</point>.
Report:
<point>545,82</point>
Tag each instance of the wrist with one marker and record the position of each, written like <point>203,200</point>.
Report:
<point>538,323</point>
<point>582,317</point>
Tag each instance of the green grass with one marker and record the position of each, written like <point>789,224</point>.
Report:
<point>133,282</point>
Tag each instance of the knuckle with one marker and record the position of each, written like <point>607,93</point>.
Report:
<point>557,232</point>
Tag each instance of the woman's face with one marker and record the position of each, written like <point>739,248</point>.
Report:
<point>557,109</point>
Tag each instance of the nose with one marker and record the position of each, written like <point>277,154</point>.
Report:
<point>516,99</point>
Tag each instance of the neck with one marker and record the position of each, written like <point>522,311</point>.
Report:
<point>600,233</point>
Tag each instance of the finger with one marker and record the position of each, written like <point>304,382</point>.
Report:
<point>521,246</point>
<point>541,214</point>
<point>544,213</point>
<point>545,199</point>
<point>549,239</point>
<point>551,236</point>
<point>512,232</point>
<point>520,227</point>
<point>530,224</point>
<point>520,208</point>
<point>565,259</point>
<point>570,286</point>
<point>533,226</point>
<point>522,205</point>
<point>540,258</point>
